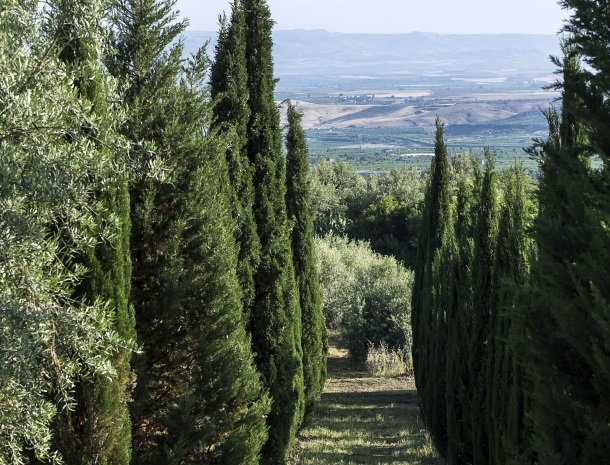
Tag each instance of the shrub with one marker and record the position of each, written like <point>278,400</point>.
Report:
<point>366,295</point>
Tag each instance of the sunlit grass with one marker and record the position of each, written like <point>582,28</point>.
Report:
<point>363,419</point>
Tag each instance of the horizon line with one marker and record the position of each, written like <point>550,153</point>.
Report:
<point>188,29</point>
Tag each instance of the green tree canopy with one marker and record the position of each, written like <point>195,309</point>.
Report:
<point>50,341</point>
<point>275,319</point>
<point>314,339</point>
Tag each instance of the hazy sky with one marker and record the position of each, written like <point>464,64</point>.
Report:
<point>396,16</point>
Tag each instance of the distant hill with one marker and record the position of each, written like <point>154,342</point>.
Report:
<point>360,56</point>
<point>475,83</point>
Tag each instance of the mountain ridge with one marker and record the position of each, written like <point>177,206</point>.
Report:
<point>300,52</point>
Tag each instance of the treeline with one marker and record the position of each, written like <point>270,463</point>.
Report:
<point>382,209</point>
<point>511,313</point>
<point>159,294</point>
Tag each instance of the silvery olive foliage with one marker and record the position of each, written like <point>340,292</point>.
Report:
<point>366,296</point>
<point>49,170</point>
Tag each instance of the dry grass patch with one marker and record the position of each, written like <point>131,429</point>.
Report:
<point>382,361</point>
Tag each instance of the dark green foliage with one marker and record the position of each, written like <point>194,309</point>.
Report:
<point>148,75</point>
<point>588,100</point>
<point>588,36</point>
<point>569,361</point>
<point>534,389</point>
<point>478,286</point>
<point>513,255</point>
<point>383,209</point>
<point>314,339</point>
<point>99,428</point>
<point>275,320</point>
<point>390,226</point>
<point>476,290</point>
<point>199,399</point>
<point>229,91</point>
<point>485,235</point>
<point>220,417</point>
<point>459,317</point>
<point>430,299</point>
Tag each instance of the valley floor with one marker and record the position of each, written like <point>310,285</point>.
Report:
<point>363,420</point>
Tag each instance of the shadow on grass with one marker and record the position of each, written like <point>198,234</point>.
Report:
<point>363,420</point>
<point>344,367</point>
<point>368,455</point>
<point>369,427</point>
<point>372,398</point>
<point>366,414</point>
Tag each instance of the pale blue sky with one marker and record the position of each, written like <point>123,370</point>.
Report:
<point>396,16</point>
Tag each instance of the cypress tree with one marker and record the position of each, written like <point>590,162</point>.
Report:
<point>569,325</point>
<point>314,339</point>
<point>485,235</point>
<point>199,398</point>
<point>275,320</point>
<point>590,37</point>
<point>229,91</point>
<point>428,319</point>
<point>440,305</point>
<point>220,419</point>
<point>459,318</point>
<point>99,428</point>
<point>505,387</point>
<point>147,68</point>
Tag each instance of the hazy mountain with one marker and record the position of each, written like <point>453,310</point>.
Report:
<point>323,53</point>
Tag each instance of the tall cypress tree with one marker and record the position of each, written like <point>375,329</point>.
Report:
<point>199,398</point>
<point>428,320</point>
<point>569,324</point>
<point>99,429</point>
<point>505,387</point>
<point>459,317</point>
<point>147,68</point>
<point>229,91</point>
<point>220,419</point>
<point>440,304</point>
<point>275,320</point>
<point>298,200</point>
<point>590,37</point>
<point>485,235</point>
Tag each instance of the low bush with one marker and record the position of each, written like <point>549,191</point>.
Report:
<point>367,296</point>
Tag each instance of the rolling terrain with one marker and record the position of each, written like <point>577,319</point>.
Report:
<point>372,99</point>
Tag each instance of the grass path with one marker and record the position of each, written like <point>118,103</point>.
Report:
<point>363,420</point>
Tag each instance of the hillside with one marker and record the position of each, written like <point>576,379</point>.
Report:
<point>381,93</point>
